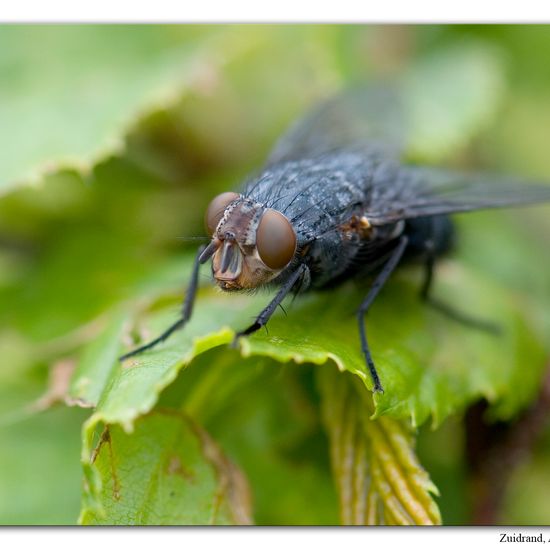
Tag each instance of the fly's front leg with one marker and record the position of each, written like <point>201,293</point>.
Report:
<point>377,285</point>
<point>264,316</point>
<point>187,310</point>
<point>446,309</point>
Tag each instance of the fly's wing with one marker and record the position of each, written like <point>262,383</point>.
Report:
<point>418,191</point>
<point>376,120</point>
<point>368,118</point>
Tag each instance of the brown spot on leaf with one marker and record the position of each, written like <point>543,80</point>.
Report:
<point>176,467</point>
<point>232,483</point>
<point>106,438</point>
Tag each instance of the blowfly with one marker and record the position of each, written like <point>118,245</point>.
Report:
<point>335,201</point>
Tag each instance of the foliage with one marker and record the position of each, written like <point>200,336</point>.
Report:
<point>125,155</point>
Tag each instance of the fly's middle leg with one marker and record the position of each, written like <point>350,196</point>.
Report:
<point>377,285</point>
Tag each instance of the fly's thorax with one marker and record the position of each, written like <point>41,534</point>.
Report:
<point>253,244</point>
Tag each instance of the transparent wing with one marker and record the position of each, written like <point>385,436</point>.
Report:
<point>421,191</point>
<point>370,118</point>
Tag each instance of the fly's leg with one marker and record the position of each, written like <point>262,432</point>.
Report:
<point>187,310</point>
<point>266,313</point>
<point>377,285</point>
<point>446,309</point>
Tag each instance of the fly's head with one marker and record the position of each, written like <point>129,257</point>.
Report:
<point>250,244</point>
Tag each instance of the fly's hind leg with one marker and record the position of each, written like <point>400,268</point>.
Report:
<point>377,285</point>
<point>446,309</point>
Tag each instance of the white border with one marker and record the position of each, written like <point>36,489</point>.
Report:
<point>279,11</point>
<point>253,538</point>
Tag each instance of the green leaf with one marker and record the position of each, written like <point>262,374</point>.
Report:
<point>70,103</point>
<point>133,387</point>
<point>379,478</point>
<point>168,472</point>
<point>96,365</point>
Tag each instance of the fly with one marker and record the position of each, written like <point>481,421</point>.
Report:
<point>334,201</point>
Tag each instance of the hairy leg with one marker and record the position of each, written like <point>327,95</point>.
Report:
<point>267,312</point>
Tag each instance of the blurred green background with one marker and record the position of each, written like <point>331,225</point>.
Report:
<point>110,133</point>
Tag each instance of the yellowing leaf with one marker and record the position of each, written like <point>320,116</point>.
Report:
<point>378,476</point>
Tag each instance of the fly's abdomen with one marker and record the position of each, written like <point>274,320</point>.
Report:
<point>433,232</point>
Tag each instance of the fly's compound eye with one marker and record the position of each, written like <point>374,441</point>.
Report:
<point>275,240</point>
<point>215,210</point>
